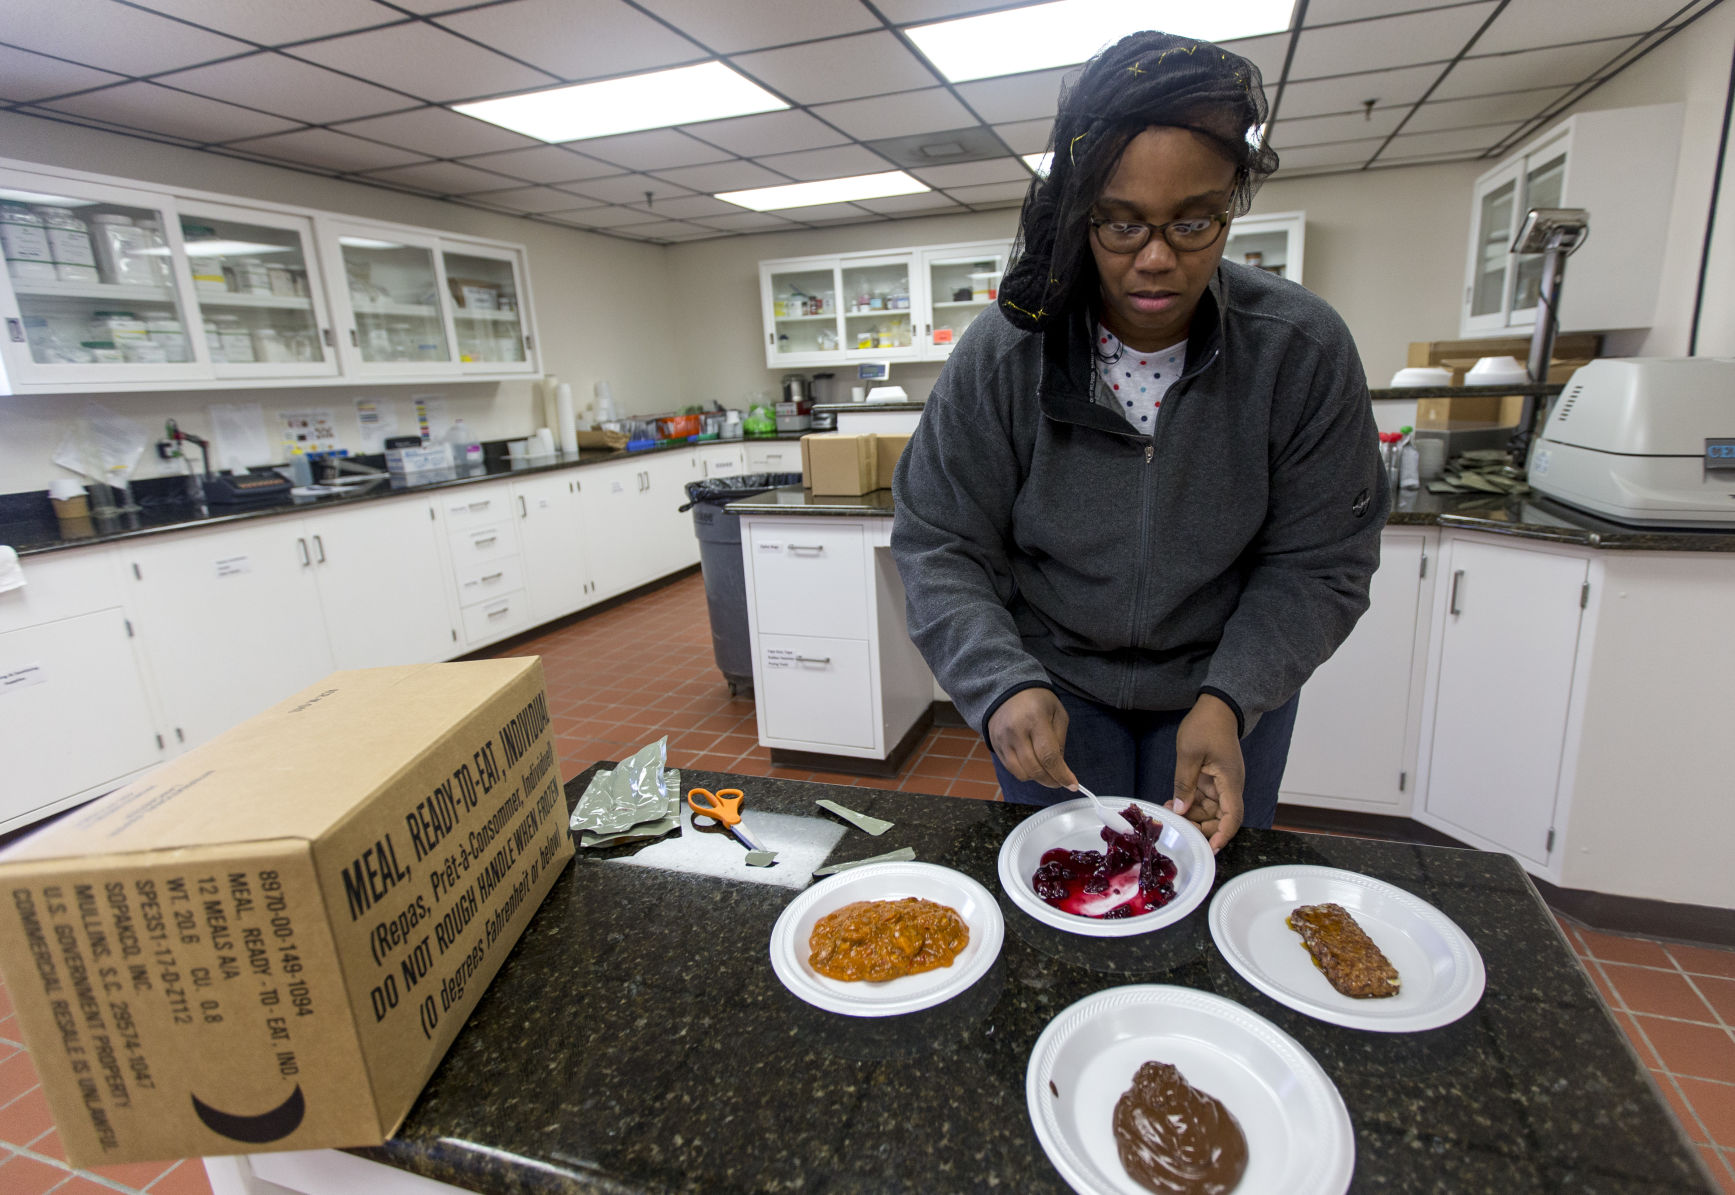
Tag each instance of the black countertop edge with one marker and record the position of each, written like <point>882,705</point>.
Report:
<point>1544,390</point>
<point>1521,518</point>
<point>852,408</point>
<point>39,533</point>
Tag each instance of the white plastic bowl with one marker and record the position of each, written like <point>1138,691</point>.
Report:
<point>1422,375</point>
<point>1497,371</point>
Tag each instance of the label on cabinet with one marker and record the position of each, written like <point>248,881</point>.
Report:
<point>22,678</point>
<point>780,657</point>
<point>234,566</point>
<point>773,547</point>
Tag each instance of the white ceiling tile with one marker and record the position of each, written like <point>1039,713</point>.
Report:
<point>1318,130</point>
<point>843,68</point>
<point>827,213</point>
<point>1486,109</point>
<point>858,218</point>
<point>424,61</point>
<point>1435,35</point>
<point>661,228</point>
<point>1346,93</point>
<point>110,36</point>
<point>927,203</point>
<point>1448,141</point>
<point>767,133</point>
<point>687,207</point>
<point>1026,136</point>
<point>334,151</point>
<point>1562,66</point>
<point>576,39</point>
<point>1034,96</point>
<point>439,133</point>
<point>841,161</point>
<point>274,24</point>
<point>1326,12</point>
<point>742,221</point>
<point>160,109</point>
<point>731,28</point>
<point>544,164</point>
<point>1551,22</point>
<point>693,233</point>
<point>626,188</point>
<point>654,149</point>
<point>27,76</point>
<point>723,176</point>
<point>528,199</point>
<point>902,115</point>
<point>447,178</point>
<point>106,125</point>
<point>990,194</point>
<point>599,217</point>
<point>914,12</point>
<point>289,87</point>
<point>1343,153</point>
<point>964,174</point>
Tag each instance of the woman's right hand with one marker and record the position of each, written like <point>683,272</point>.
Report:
<point>1028,734</point>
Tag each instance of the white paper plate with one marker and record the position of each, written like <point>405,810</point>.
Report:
<point>1439,969</point>
<point>1075,826</point>
<point>887,881</point>
<point>1299,1139</point>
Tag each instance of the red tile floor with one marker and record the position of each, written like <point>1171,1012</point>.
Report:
<point>622,677</point>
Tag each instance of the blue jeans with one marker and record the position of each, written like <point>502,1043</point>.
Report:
<point>1131,753</point>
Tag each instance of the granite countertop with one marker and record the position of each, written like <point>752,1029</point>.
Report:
<point>637,1040</point>
<point>1533,517</point>
<point>29,526</point>
<point>1540,390</point>
<point>866,408</point>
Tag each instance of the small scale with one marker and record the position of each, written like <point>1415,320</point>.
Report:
<point>873,371</point>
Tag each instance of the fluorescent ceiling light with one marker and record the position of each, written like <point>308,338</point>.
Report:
<point>829,190</point>
<point>685,95</point>
<point>1040,36</point>
<point>1039,163</point>
<point>221,249</point>
<point>12,196</point>
<point>366,243</point>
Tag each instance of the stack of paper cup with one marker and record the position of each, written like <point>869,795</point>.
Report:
<point>606,411</point>
<point>547,394</point>
<point>566,418</point>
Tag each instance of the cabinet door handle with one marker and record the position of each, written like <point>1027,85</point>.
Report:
<point>354,340</point>
<point>807,548</point>
<point>813,659</point>
<point>483,543</point>
<point>493,576</point>
<point>1452,606</point>
<point>523,511</point>
<point>320,545</point>
<point>301,546</point>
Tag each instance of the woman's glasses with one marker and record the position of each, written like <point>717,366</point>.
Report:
<point>1183,236</point>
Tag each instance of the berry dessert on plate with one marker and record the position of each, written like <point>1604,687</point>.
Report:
<point>1129,877</point>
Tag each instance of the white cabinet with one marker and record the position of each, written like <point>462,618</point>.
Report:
<point>481,524</point>
<point>74,716</point>
<point>960,282</point>
<point>1495,722</point>
<point>117,285</point>
<point>634,529</point>
<point>229,619</point>
<point>376,566</point>
<point>551,532</point>
<point>1274,242</point>
<point>1617,164</point>
<point>1356,728</point>
<point>773,456</point>
<point>720,460</point>
<point>841,308</point>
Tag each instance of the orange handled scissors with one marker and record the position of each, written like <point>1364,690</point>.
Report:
<point>723,806</point>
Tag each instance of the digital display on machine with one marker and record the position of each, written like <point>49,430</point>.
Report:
<point>1720,454</point>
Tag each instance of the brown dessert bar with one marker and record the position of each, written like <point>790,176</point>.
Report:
<point>1343,951</point>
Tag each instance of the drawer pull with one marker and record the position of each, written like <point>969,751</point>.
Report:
<point>500,612</point>
<point>813,659</point>
<point>493,576</point>
<point>1452,606</point>
<point>483,543</point>
<point>482,505</point>
<point>807,547</point>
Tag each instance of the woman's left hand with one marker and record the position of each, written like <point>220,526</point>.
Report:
<point>1209,770</point>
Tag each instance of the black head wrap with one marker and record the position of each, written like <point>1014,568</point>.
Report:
<point>1142,80</point>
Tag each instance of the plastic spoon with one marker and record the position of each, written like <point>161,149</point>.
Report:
<point>1110,818</point>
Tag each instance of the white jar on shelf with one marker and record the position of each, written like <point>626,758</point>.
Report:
<point>69,245</point>
<point>24,241</point>
<point>120,246</point>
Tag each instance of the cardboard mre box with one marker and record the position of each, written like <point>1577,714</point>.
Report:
<point>269,942</point>
<point>832,463</point>
<point>887,449</point>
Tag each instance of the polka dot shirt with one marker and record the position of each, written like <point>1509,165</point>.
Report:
<point>1137,381</point>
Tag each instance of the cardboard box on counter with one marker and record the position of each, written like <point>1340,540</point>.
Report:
<point>852,464</point>
<point>270,942</point>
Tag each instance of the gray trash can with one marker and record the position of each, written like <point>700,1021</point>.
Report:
<point>719,537</point>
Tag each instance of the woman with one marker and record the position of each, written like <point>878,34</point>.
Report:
<point>1145,498</point>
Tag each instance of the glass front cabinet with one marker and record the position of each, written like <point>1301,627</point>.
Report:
<point>1274,243</point>
<point>832,310</point>
<point>118,286</point>
<point>960,283</point>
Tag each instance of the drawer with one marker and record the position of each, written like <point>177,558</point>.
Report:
<point>60,585</point>
<point>479,580</point>
<point>815,693</point>
<point>809,580</point>
<point>715,462</point>
<point>489,541</point>
<point>468,508</point>
<point>781,457</point>
<point>496,617</point>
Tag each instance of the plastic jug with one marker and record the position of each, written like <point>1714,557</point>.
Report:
<point>466,448</point>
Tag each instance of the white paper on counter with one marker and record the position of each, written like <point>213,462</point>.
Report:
<point>309,430</point>
<point>11,572</point>
<point>378,422</point>
<point>238,435</point>
<point>432,422</point>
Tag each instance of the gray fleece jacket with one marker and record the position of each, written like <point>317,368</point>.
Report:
<point>1044,542</point>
